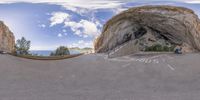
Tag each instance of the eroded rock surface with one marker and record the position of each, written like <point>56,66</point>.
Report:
<point>150,25</point>
<point>7,39</point>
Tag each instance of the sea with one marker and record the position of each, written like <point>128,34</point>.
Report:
<point>48,52</point>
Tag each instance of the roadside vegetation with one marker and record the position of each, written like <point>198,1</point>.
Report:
<point>22,46</point>
<point>22,49</point>
<point>160,48</point>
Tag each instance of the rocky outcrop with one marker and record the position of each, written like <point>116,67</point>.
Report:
<point>150,25</point>
<point>7,39</point>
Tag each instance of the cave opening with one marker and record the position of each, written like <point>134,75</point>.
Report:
<point>140,32</point>
<point>160,43</point>
<point>127,37</point>
<point>149,39</point>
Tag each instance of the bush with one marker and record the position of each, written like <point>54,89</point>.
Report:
<point>160,48</point>
<point>22,46</point>
<point>166,48</point>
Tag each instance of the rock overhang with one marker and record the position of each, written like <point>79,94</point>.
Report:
<point>176,25</point>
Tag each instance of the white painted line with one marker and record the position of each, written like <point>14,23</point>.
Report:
<point>137,59</point>
<point>156,61</point>
<point>170,67</point>
<point>149,61</point>
<point>155,57</point>
<point>146,61</point>
<point>126,57</point>
<point>133,59</point>
<point>120,60</point>
<point>142,60</point>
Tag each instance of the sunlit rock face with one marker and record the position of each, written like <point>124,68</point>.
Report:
<point>138,28</point>
<point>7,39</point>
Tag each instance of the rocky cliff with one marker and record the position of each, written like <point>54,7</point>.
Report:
<point>139,28</point>
<point>7,39</point>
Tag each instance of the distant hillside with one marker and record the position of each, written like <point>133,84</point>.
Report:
<point>81,50</point>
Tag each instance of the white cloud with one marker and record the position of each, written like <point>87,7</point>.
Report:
<point>74,5</point>
<point>60,35</point>
<point>119,10</point>
<point>42,25</point>
<point>70,4</point>
<point>58,18</point>
<point>78,6</point>
<point>85,6</point>
<point>95,4</point>
<point>82,44</point>
<point>83,28</point>
<point>64,30</point>
<point>192,1</point>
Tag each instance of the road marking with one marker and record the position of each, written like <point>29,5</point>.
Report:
<point>149,61</point>
<point>146,61</point>
<point>170,67</point>
<point>117,59</point>
<point>142,60</point>
<point>155,57</point>
<point>126,65</point>
<point>133,59</point>
<point>156,61</point>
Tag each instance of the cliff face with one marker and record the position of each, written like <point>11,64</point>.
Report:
<point>141,27</point>
<point>7,39</point>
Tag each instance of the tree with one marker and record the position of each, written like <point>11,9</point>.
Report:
<point>61,51</point>
<point>22,46</point>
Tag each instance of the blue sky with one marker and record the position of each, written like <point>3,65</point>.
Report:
<point>73,23</point>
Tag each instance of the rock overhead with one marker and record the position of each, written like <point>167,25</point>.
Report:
<point>141,27</point>
<point>7,39</point>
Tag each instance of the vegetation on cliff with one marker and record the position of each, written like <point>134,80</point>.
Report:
<point>60,51</point>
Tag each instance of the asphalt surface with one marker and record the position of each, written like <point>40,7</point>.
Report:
<point>95,77</point>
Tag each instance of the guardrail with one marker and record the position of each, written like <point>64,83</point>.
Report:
<point>48,57</point>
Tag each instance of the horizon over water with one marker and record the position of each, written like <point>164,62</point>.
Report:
<point>48,52</point>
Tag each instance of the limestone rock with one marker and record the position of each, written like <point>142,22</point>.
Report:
<point>150,25</point>
<point>7,39</point>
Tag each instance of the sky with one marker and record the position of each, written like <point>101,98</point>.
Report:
<point>72,23</point>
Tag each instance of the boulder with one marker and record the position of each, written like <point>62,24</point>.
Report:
<point>147,26</point>
<point>7,39</point>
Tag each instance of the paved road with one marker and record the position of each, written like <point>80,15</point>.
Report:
<point>95,77</point>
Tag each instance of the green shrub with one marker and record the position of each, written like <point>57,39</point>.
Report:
<point>60,51</point>
<point>166,48</point>
<point>22,46</point>
<point>160,48</point>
